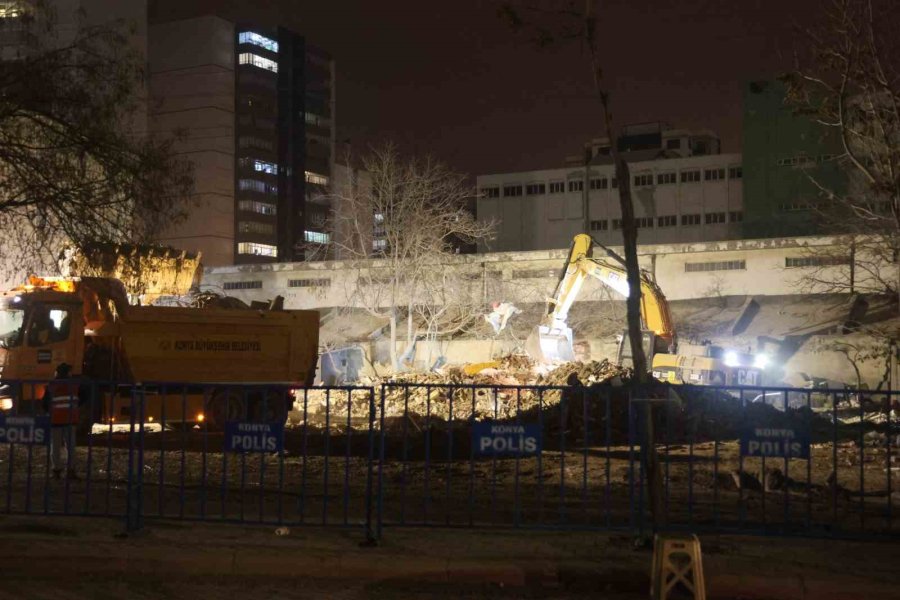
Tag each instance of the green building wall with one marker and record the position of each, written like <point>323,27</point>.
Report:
<point>781,152</point>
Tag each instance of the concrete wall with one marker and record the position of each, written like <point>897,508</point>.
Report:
<point>192,92</point>
<point>756,267</point>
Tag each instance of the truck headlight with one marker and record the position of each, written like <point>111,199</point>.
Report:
<point>760,361</point>
<point>6,403</point>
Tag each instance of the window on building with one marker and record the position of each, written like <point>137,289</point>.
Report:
<point>601,225</point>
<point>379,245</point>
<point>317,120</point>
<point>735,172</point>
<point>576,185</point>
<point>260,166</point>
<point>256,227</point>
<point>688,220</point>
<point>667,221</point>
<point>557,187</point>
<point>315,178</point>
<point>323,282</point>
<point>534,189</point>
<point>722,265</point>
<point>714,174</point>
<point>643,222</point>
<point>248,58</point>
<point>600,183</point>
<point>257,249</point>
<point>316,237</point>
<point>666,178</point>
<point>692,176</point>
<point>797,206</point>
<point>643,180</point>
<point>736,216</point>
<point>617,223</point>
<point>615,183</point>
<point>716,217</point>
<point>673,144</point>
<point>512,190</point>
<point>249,37</point>
<point>255,185</point>
<point>257,207</point>
<point>490,192</point>
<point>815,261</point>
<point>242,285</point>
<point>249,141</point>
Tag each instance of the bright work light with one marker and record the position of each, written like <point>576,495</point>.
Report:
<point>731,359</point>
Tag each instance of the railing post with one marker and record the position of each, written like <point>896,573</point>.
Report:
<point>133,516</point>
<point>371,534</point>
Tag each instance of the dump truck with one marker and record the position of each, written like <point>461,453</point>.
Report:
<point>551,340</point>
<point>194,359</point>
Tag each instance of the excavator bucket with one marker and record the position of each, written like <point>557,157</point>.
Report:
<point>550,344</point>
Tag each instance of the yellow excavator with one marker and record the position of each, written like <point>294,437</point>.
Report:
<point>551,341</point>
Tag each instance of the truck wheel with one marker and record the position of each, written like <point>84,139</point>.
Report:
<point>272,406</point>
<point>226,405</point>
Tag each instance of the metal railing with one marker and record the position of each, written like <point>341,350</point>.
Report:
<point>777,461</point>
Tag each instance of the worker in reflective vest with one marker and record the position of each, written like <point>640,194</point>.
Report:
<point>61,399</point>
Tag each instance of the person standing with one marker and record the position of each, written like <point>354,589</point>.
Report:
<point>61,400</point>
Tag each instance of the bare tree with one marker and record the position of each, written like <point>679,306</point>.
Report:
<point>72,169</point>
<point>847,79</point>
<point>568,21</point>
<point>419,209</point>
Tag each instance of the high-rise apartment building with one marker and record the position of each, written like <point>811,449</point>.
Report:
<point>255,107</point>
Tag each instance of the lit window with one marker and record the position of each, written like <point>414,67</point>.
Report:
<point>248,37</point>
<point>316,237</point>
<point>255,185</point>
<point>257,249</point>
<point>248,58</point>
<point>315,178</point>
<point>257,207</point>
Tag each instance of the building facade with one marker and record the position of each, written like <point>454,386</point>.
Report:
<point>255,108</point>
<point>785,156</point>
<point>683,191</point>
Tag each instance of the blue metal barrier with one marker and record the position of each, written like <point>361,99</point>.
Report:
<point>772,461</point>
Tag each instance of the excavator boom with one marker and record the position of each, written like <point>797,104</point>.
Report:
<point>551,341</point>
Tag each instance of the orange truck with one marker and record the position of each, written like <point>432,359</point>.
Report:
<point>198,362</point>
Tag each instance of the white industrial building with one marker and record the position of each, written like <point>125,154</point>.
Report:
<point>683,189</point>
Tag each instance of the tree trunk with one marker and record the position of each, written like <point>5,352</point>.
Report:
<point>635,335</point>
<point>395,362</point>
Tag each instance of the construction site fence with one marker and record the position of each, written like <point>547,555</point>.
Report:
<point>760,460</point>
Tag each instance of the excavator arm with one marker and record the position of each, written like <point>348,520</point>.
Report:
<point>553,338</point>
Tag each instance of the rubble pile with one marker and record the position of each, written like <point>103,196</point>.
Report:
<point>433,395</point>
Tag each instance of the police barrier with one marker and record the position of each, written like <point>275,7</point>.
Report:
<point>750,460</point>
<point>747,460</point>
<point>268,453</point>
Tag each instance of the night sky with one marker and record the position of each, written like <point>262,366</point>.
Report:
<point>451,79</point>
